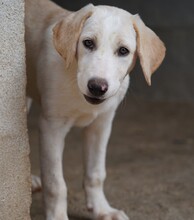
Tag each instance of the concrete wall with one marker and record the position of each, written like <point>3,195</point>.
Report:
<point>173,21</point>
<point>15,195</point>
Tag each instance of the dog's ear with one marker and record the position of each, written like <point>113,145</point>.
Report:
<point>150,48</point>
<point>66,33</point>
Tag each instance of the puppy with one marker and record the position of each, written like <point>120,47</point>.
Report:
<point>78,66</point>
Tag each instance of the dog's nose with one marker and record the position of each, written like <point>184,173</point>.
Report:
<point>97,86</point>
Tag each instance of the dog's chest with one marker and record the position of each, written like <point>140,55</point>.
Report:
<point>78,112</point>
<point>79,117</point>
<point>83,120</point>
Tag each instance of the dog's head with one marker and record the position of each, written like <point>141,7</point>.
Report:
<point>105,42</point>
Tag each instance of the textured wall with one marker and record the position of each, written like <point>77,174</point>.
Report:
<point>15,195</point>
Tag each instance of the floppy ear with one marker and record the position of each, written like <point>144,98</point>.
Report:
<point>66,33</point>
<point>150,48</point>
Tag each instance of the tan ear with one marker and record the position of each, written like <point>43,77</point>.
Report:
<point>150,48</point>
<point>66,33</point>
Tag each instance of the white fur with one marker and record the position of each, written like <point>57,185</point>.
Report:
<point>64,106</point>
<point>61,91</point>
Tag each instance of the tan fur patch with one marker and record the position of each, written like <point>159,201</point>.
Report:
<point>66,33</point>
<point>150,48</point>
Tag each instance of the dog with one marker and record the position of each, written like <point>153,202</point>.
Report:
<point>78,66</point>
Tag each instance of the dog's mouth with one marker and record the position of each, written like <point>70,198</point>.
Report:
<point>93,101</point>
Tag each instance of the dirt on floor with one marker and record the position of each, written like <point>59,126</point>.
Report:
<point>150,163</point>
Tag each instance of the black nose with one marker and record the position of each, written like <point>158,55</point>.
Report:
<point>97,86</point>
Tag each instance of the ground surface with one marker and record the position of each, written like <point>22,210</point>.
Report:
<point>150,163</point>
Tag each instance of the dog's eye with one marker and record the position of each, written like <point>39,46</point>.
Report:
<point>89,44</point>
<point>122,51</point>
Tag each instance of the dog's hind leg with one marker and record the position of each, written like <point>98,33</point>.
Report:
<point>28,104</point>
<point>36,183</point>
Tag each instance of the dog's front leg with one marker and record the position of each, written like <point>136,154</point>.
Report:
<point>96,139</point>
<point>52,134</point>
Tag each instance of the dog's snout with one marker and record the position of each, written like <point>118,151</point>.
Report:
<point>97,86</point>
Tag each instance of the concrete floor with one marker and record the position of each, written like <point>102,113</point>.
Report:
<point>150,163</point>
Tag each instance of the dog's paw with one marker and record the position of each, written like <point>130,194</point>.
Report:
<point>36,183</point>
<point>114,215</point>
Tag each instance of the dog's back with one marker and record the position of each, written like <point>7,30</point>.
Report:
<point>39,14</point>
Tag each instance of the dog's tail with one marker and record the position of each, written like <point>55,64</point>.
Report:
<point>36,184</point>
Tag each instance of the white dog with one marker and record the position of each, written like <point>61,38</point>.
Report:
<point>78,66</point>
